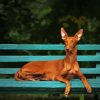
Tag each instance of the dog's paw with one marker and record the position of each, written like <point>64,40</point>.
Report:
<point>66,93</point>
<point>89,89</point>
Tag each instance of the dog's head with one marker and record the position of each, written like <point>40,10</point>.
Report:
<point>71,41</point>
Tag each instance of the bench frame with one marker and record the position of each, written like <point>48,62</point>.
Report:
<point>9,85</point>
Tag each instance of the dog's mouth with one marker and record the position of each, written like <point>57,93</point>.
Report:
<point>69,51</point>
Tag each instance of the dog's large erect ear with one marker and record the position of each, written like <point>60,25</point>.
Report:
<point>63,34</point>
<point>79,34</point>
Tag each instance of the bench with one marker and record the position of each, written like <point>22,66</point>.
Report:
<point>12,55</point>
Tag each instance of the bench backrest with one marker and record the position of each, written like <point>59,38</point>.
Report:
<point>10,57</point>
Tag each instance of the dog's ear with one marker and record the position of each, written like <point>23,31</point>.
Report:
<point>63,34</point>
<point>79,34</point>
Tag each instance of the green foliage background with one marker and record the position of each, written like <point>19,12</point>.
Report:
<point>39,21</point>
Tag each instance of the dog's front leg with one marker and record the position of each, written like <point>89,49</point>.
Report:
<point>67,89</point>
<point>84,81</point>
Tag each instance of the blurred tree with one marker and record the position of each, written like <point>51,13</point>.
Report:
<point>39,21</point>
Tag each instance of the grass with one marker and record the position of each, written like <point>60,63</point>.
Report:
<point>44,97</point>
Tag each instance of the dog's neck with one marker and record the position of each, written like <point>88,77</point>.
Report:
<point>71,57</point>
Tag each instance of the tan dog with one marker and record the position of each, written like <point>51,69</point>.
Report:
<point>61,70</point>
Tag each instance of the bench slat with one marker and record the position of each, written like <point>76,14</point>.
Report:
<point>42,58</point>
<point>45,86</point>
<point>46,47</point>
<point>12,79</point>
<point>84,70</point>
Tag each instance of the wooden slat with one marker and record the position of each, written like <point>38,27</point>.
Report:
<point>46,47</point>
<point>98,53</point>
<point>12,79</point>
<point>43,58</point>
<point>8,70</point>
<point>45,86</point>
<point>84,70</point>
<point>98,66</point>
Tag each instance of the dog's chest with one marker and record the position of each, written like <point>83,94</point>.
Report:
<point>69,73</point>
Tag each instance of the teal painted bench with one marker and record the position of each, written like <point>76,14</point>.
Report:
<point>8,55</point>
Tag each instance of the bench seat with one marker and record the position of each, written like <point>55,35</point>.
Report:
<point>12,86</point>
